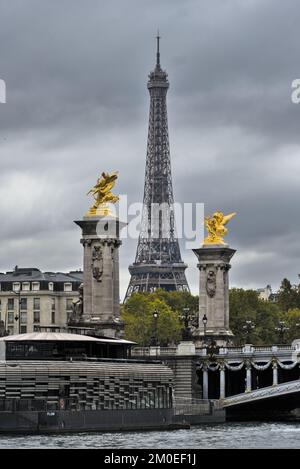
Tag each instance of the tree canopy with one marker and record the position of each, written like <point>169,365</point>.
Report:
<point>264,315</point>
<point>288,296</point>
<point>138,310</point>
<point>273,322</point>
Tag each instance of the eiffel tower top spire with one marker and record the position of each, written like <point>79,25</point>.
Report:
<point>157,51</point>
<point>158,78</point>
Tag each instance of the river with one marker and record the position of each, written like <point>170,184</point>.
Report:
<point>227,435</point>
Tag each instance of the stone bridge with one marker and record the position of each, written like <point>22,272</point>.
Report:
<point>241,372</point>
<point>270,392</point>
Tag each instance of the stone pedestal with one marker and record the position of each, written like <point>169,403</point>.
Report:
<point>101,299</point>
<point>214,294</point>
<point>186,348</point>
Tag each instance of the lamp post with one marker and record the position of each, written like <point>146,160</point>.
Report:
<point>248,327</point>
<point>154,338</point>
<point>186,317</point>
<point>281,329</point>
<point>204,321</point>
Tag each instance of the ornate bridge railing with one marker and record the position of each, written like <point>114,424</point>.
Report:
<point>248,349</point>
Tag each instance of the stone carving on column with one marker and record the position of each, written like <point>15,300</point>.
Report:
<point>211,283</point>
<point>86,242</point>
<point>97,263</point>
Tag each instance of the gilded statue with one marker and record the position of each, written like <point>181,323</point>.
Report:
<point>216,227</point>
<point>103,195</point>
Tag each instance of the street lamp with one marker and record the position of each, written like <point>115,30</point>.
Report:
<point>248,327</point>
<point>282,328</point>
<point>154,338</point>
<point>204,321</point>
<point>186,317</point>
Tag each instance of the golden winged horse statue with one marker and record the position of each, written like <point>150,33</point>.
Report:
<point>102,194</point>
<point>216,227</point>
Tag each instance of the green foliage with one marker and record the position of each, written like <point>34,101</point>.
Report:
<point>177,300</point>
<point>266,315</point>
<point>292,321</point>
<point>246,306</point>
<point>137,314</point>
<point>288,296</point>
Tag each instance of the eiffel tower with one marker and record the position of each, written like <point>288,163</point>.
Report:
<point>158,262</point>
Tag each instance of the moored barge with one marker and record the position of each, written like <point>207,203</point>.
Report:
<point>61,382</point>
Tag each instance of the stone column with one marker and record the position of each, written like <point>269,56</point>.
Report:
<point>101,302</point>
<point>205,381</point>
<point>275,372</point>
<point>222,381</point>
<point>116,280</point>
<point>214,293</point>
<point>248,377</point>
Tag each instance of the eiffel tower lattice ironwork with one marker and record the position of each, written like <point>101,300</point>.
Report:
<point>158,262</point>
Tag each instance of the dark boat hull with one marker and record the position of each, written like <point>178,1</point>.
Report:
<point>86,421</point>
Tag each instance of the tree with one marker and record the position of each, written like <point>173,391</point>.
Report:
<point>292,321</point>
<point>137,314</point>
<point>244,306</point>
<point>177,300</point>
<point>288,296</point>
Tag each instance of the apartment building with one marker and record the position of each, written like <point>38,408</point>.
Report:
<point>30,298</point>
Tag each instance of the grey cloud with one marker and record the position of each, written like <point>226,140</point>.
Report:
<point>76,78</point>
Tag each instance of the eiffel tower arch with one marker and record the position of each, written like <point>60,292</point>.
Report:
<point>158,262</point>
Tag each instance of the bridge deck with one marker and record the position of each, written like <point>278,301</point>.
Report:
<point>282,389</point>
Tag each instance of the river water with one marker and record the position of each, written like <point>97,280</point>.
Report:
<point>227,435</point>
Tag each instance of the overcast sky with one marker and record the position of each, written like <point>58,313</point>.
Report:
<point>77,104</point>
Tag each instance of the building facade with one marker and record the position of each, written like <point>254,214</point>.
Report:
<point>30,298</point>
<point>264,293</point>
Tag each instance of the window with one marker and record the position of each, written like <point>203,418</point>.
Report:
<point>51,286</point>
<point>35,286</point>
<point>69,304</point>
<point>11,304</point>
<point>52,317</point>
<point>68,287</point>
<point>23,318</point>
<point>23,329</point>
<point>36,304</point>
<point>53,304</point>
<point>26,286</point>
<point>10,330</point>
<point>10,317</point>
<point>16,286</point>
<point>36,317</point>
<point>23,303</point>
